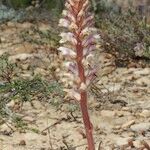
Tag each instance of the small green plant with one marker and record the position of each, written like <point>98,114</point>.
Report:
<point>55,6</point>
<point>122,33</point>
<point>19,123</point>
<point>6,68</point>
<point>34,130</point>
<point>24,90</point>
<point>19,3</point>
<point>49,36</point>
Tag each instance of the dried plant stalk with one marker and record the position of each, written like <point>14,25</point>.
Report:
<point>79,44</point>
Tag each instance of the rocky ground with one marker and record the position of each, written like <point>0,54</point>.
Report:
<point>119,100</point>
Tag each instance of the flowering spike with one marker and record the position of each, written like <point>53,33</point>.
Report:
<point>79,44</point>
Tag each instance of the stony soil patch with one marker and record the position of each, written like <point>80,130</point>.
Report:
<point>119,102</point>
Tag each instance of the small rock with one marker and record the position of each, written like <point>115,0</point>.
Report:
<point>131,134</point>
<point>137,143</point>
<point>117,127</point>
<point>26,75</point>
<point>26,25</point>
<point>140,127</point>
<point>145,71</point>
<point>25,66</point>
<point>128,124</point>
<point>40,71</point>
<point>37,6</point>
<point>107,70</point>
<point>2,39</point>
<point>145,113</point>
<point>7,130</point>
<point>107,113</point>
<point>11,104</point>
<point>11,24</point>
<point>43,27</point>
<point>22,143</point>
<point>143,81</point>
<point>120,113</point>
<point>125,108</point>
<point>20,57</point>
<point>38,105</point>
<point>1,53</point>
<point>29,119</point>
<point>132,65</point>
<point>113,88</point>
<point>122,141</point>
<point>31,136</point>
<point>29,8</point>
<point>44,133</point>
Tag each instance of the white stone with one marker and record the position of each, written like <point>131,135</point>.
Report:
<point>145,71</point>
<point>6,128</point>
<point>143,81</point>
<point>28,118</point>
<point>145,113</point>
<point>122,141</point>
<point>107,113</point>
<point>140,127</point>
<point>128,124</point>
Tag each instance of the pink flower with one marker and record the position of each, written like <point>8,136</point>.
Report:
<point>64,23</point>
<point>68,37</point>
<point>67,52</point>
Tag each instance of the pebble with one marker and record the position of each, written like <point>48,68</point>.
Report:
<point>143,81</point>
<point>107,113</point>
<point>31,136</point>
<point>137,143</point>
<point>22,143</point>
<point>145,113</point>
<point>5,128</point>
<point>145,71</point>
<point>125,108</point>
<point>140,127</point>
<point>29,119</point>
<point>128,124</point>
<point>11,104</point>
<point>120,141</point>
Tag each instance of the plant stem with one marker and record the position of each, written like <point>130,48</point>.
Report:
<point>83,101</point>
<point>86,120</point>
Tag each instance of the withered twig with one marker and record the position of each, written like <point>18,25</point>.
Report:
<point>50,126</point>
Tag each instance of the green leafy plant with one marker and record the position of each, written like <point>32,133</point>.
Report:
<point>122,33</point>
<point>49,36</point>
<point>6,68</point>
<point>24,90</point>
<point>19,3</point>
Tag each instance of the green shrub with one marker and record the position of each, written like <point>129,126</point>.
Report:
<point>123,32</point>
<point>19,3</point>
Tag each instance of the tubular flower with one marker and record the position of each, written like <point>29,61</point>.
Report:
<point>80,41</point>
<point>79,44</point>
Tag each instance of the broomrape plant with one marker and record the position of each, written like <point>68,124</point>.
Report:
<point>79,42</point>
